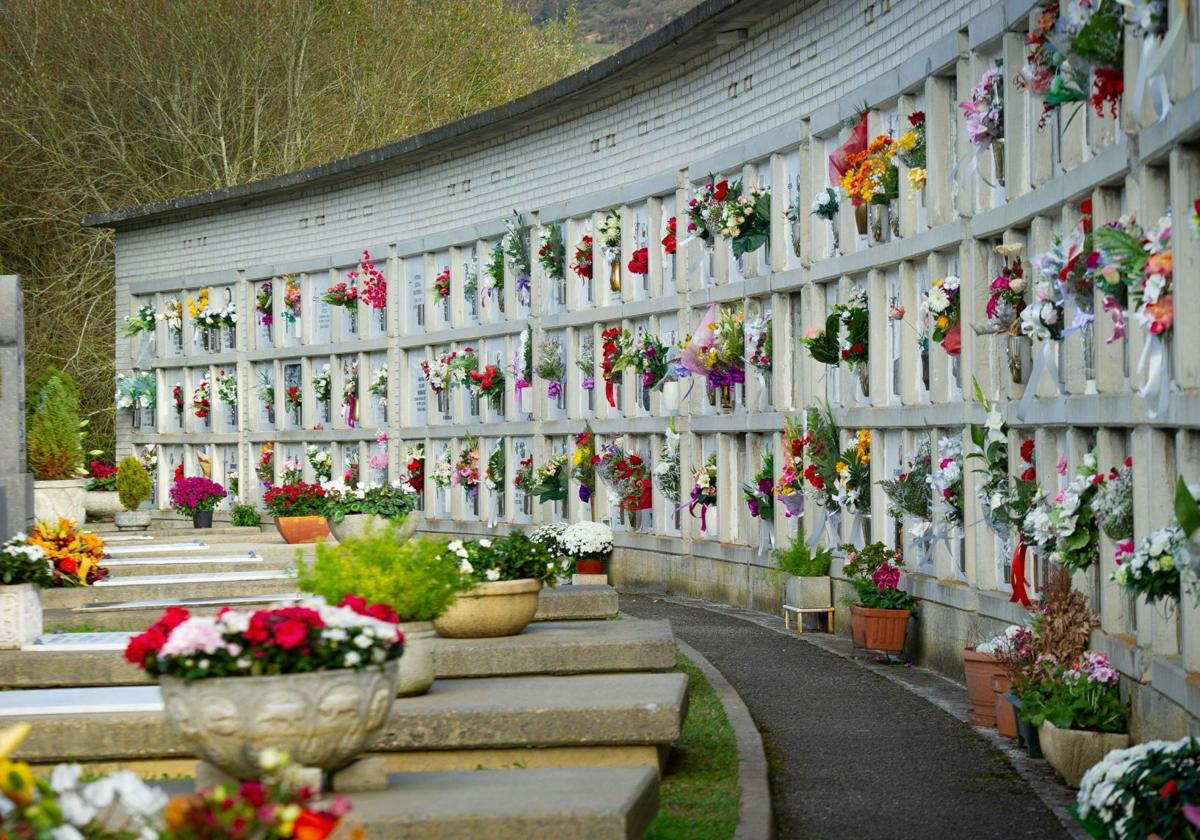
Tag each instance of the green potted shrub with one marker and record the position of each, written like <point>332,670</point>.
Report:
<point>805,573</point>
<point>412,576</point>
<point>56,453</point>
<point>880,611</point>
<point>351,512</point>
<point>133,488</point>
<point>24,571</point>
<point>506,573</point>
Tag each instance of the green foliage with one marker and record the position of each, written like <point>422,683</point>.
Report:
<point>1187,509</point>
<point>21,562</point>
<point>133,483</point>
<point>221,93</point>
<point>54,450</point>
<point>412,576</point>
<point>510,557</point>
<point>386,501</point>
<point>800,560</point>
<point>245,516</point>
<point>34,388</point>
<point>860,568</point>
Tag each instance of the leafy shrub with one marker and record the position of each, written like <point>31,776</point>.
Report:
<point>387,500</point>
<point>55,453</point>
<point>802,561</point>
<point>296,499</point>
<point>245,516</point>
<point>412,576</point>
<point>133,483</point>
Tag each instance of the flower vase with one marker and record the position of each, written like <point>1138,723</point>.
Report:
<point>296,416</point>
<point>633,520</point>
<point>443,403</point>
<point>860,218</point>
<point>670,397</point>
<point>893,215</point>
<point>326,412</point>
<point>270,415</point>
<point>381,320</point>
<point>229,336</point>
<point>645,398</point>
<point>727,398</point>
<point>794,226</point>
<point>496,401</point>
<point>352,320</point>
<point>1014,346</point>
<point>135,416</point>
<point>176,337</point>
<point>998,160</point>
<point>381,413</point>
<point>864,379</point>
<point>835,248</point>
<point>149,421</point>
<point>614,276</point>
<point>712,396</point>
<point>446,310</point>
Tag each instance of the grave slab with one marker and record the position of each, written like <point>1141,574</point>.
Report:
<point>154,587</point>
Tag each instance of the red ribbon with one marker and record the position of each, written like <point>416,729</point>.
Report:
<point>1019,594</point>
<point>608,392</point>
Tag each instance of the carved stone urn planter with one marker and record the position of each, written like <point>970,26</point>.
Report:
<point>132,520</point>
<point>1072,752</point>
<point>321,719</point>
<point>53,500</point>
<point>503,608</point>
<point>20,615</point>
<point>355,525</point>
<point>101,503</point>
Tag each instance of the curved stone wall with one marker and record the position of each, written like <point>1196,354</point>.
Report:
<point>758,91</point>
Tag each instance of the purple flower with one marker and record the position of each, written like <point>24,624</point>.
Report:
<point>585,493</point>
<point>651,353</point>
<point>588,383</point>
<point>195,493</point>
<point>765,486</point>
<point>553,388</point>
<point>752,503</point>
<point>647,379</point>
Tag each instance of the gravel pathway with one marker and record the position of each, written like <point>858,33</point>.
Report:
<point>852,754</point>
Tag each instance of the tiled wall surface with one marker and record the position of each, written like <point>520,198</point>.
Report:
<point>798,74</point>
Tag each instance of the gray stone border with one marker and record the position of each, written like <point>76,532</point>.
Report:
<point>755,817</point>
<point>936,689</point>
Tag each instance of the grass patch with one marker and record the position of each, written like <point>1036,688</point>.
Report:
<point>79,627</point>
<point>699,796</point>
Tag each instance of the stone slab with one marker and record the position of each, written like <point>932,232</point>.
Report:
<point>156,587</point>
<point>153,547</point>
<point>576,603</point>
<point>611,803</point>
<point>607,710</point>
<point>73,660</point>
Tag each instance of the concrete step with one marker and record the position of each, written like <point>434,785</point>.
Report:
<point>179,585</point>
<point>160,528</point>
<point>116,610</point>
<point>203,564</point>
<point>75,660</point>
<point>594,803</point>
<point>499,722</point>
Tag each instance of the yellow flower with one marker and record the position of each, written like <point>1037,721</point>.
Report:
<point>907,141</point>
<point>942,322</point>
<point>842,469</point>
<point>916,177</point>
<point>16,782</point>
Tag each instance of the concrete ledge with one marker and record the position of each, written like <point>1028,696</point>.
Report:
<point>576,603</point>
<point>485,714</point>
<point>586,804</point>
<point>572,647</point>
<point>158,587</point>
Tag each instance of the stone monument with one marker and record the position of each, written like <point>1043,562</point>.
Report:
<point>16,483</point>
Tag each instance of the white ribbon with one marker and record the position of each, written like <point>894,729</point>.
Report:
<point>815,537</point>
<point>766,537</point>
<point>1157,388</point>
<point>761,401</point>
<point>146,352</point>
<point>857,536</point>
<point>1156,61</point>
<point>1043,363</point>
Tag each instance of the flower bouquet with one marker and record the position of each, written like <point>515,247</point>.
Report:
<point>291,298</point>
<point>582,264</point>
<point>669,241</point>
<point>227,392</point>
<point>552,251</point>
<point>910,493</point>
<point>759,492</point>
<point>264,469</point>
<point>323,385</point>
<point>441,284</point>
<point>824,206</point>
<point>515,246</point>
<point>264,303</point>
<point>139,322</point>
<point>466,467</point>
<point>984,114</point>
<point>583,471</point>
<point>844,338</point>
<point>371,283</point>
<point>639,262</point>
<point>350,408</point>
<point>195,496</point>
<point>1006,294</point>
<point>202,399</point>
<point>871,175</point>
<point>493,473</point>
<point>717,352</point>
<point>615,343</point>
<point>1112,503</point>
<point>666,471</point>
<point>704,490</point>
<point>1076,534</point>
<point>790,486</point>
<point>414,466</point>
<point>945,480</point>
<point>493,274</point>
<point>341,294</point>
<point>378,386</point>
<point>550,480</point>
<point>1149,789</point>
<point>551,366</point>
<point>910,146</point>
<point>941,310</point>
<point>609,234</point>
<point>75,555</point>
<point>587,544</point>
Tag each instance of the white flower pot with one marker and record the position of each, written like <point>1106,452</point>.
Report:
<point>132,520</point>
<point>20,615</point>
<point>416,666</point>
<point>60,499</point>
<point>322,719</point>
<point>807,593</point>
<point>670,396</point>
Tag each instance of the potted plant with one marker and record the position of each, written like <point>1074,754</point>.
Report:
<point>805,573</point>
<point>408,575</point>
<point>133,488</point>
<point>1079,714</point>
<point>55,452</point>
<point>550,536</point>
<point>982,669</point>
<point>24,570</point>
<point>1149,790</point>
<point>588,544</point>
<point>245,516</point>
<point>242,682</point>
<point>196,496</point>
<point>299,511</point>
<point>506,574</point>
<point>100,493</point>
<point>352,512</point>
<point>880,612</point>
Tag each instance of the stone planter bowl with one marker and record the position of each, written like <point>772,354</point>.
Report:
<point>102,503</point>
<point>20,615</point>
<point>132,520</point>
<point>355,525</point>
<point>416,666</point>
<point>322,719</point>
<point>503,608</point>
<point>1072,752</point>
<point>301,529</point>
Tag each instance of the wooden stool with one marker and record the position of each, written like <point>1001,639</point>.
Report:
<point>789,611</point>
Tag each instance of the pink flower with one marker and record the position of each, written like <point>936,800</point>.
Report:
<point>887,576</point>
<point>1062,465</point>
<point>198,634</point>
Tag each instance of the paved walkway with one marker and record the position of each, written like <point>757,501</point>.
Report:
<point>852,754</point>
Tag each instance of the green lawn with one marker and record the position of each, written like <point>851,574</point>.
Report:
<point>700,795</point>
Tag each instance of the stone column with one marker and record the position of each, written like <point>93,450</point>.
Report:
<point>16,483</point>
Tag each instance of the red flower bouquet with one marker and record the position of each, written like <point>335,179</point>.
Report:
<point>374,284</point>
<point>639,263</point>
<point>583,259</point>
<point>668,241</point>
<point>192,495</point>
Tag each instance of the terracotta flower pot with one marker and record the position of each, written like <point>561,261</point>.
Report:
<point>589,566</point>
<point>1072,752</point>
<point>1006,712</point>
<point>503,608</point>
<point>982,669</point>
<point>301,529</point>
<point>880,630</point>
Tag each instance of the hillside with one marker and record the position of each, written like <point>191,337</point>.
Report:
<point>604,26</point>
